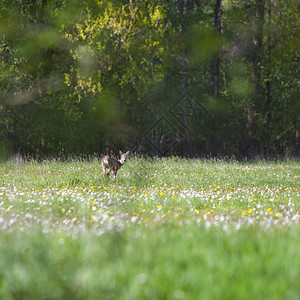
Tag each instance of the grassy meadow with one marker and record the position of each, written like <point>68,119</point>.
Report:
<point>165,229</point>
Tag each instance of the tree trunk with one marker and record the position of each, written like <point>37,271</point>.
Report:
<point>297,139</point>
<point>268,87</point>
<point>257,88</point>
<point>215,70</point>
<point>182,8</point>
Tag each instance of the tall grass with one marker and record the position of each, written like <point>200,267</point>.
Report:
<point>165,229</point>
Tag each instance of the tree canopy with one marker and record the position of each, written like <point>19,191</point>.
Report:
<point>185,77</point>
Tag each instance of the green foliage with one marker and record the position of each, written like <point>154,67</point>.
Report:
<point>89,77</point>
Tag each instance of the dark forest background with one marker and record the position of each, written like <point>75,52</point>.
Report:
<point>179,77</point>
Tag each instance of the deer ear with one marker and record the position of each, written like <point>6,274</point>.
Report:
<point>120,152</point>
<point>127,153</point>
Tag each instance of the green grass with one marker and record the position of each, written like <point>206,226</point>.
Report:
<point>165,229</point>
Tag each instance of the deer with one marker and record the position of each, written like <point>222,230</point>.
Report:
<point>112,164</point>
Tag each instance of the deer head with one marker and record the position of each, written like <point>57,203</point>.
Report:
<point>123,157</point>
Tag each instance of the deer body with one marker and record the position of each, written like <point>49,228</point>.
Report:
<point>112,164</point>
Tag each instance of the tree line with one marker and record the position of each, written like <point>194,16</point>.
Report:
<point>212,78</point>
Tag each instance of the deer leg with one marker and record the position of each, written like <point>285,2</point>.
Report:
<point>110,170</point>
<point>104,171</point>
<point>114,172</point>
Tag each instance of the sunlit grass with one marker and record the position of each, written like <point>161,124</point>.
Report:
<point>177,220</point>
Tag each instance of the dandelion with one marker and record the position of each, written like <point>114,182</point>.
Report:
<point>250,210</point>
<point>141,204</point>
<point>161,193</point>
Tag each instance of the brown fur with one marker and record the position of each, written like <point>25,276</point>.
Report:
<point>112,164</point>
